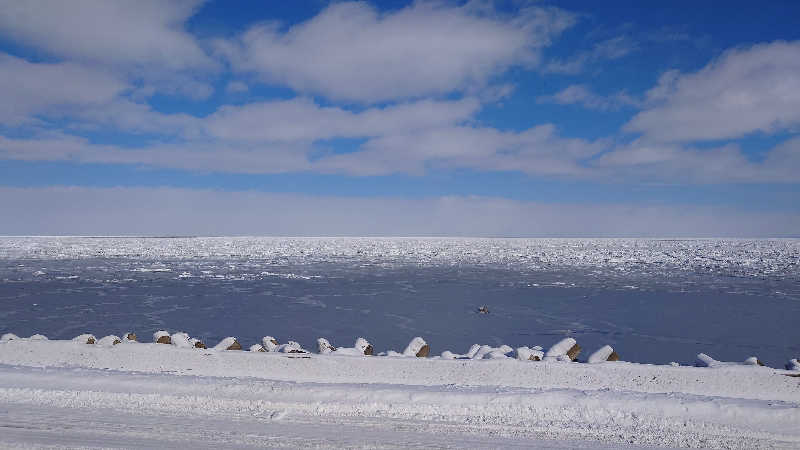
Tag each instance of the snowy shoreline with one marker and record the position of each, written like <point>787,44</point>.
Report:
<point>731,406</point>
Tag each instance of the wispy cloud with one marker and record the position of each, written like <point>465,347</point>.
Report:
<point>606,50</point>
<point>580,94</point>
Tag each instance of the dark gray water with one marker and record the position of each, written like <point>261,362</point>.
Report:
<point>653,314</point>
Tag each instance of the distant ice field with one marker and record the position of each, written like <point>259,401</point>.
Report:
<point>654,301</point>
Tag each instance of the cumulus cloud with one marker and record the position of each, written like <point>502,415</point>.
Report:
<point>580,94</point>
<point>746,90</point>
<point>116,32</point>
<point>173,211</point>
<point>28,89</point>
<point>350,51</point>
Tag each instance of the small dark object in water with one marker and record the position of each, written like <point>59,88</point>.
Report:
<point>483,310</point>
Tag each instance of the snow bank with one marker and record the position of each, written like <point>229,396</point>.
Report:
<point>793,364</point>
<point>734,405</point>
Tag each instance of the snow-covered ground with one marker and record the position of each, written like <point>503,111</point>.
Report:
<point>65,393</point>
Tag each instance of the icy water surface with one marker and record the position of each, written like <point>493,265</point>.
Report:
<point>653,300</point>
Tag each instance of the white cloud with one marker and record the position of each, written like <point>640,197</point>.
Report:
<point>173,211</point>
<point>28,89</point>
<point>236,87</point>
<point>607,50</point>
<point>115,32</point>
<point>643,161</point>
<point>538,150</point>
<point>746,90</point>
<point>303,120</point>
<point>579,94</point>
<point>352,52</point>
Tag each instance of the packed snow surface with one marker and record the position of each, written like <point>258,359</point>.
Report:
<point>52,392</point>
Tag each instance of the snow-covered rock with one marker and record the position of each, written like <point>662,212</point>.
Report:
<point>257,348</point>
<point>704,360</point>
<point>529,354</point>
<point>270,344</point>
<point>793,364</point>
<point>291,347</point>
<point>447,354</point>
<point>566,347</point>
<point>324,346</point>
<point>753,361</point>
<point>8,337</point>
<point>604,353</point>
<point>489,352</point>
<point>84,339</point>
<point>109,341</point>
<point>417,347</point>
<point>38,337</point>
<point>362,347</point>
<point>128,337</point>
<point>162,337</point>
<point>181,340</point>
<point>229,343</point>
<point>197,343</point>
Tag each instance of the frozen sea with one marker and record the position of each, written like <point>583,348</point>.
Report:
<point>654,301</point>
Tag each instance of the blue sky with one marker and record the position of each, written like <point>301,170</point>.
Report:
<point>497,118</point>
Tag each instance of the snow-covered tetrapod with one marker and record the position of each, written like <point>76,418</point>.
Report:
<point>362,347</point>
<point>270,344</point>
<point>84,339</point>
<point>109,341</point>
<point>162,337</point>
<point>604,353</point>
<point>229,343</point>
<point>181,340</point>
<point>566,349</point>
<point>324,346</point>
<point>530,354</point>
<point>417,347</point>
